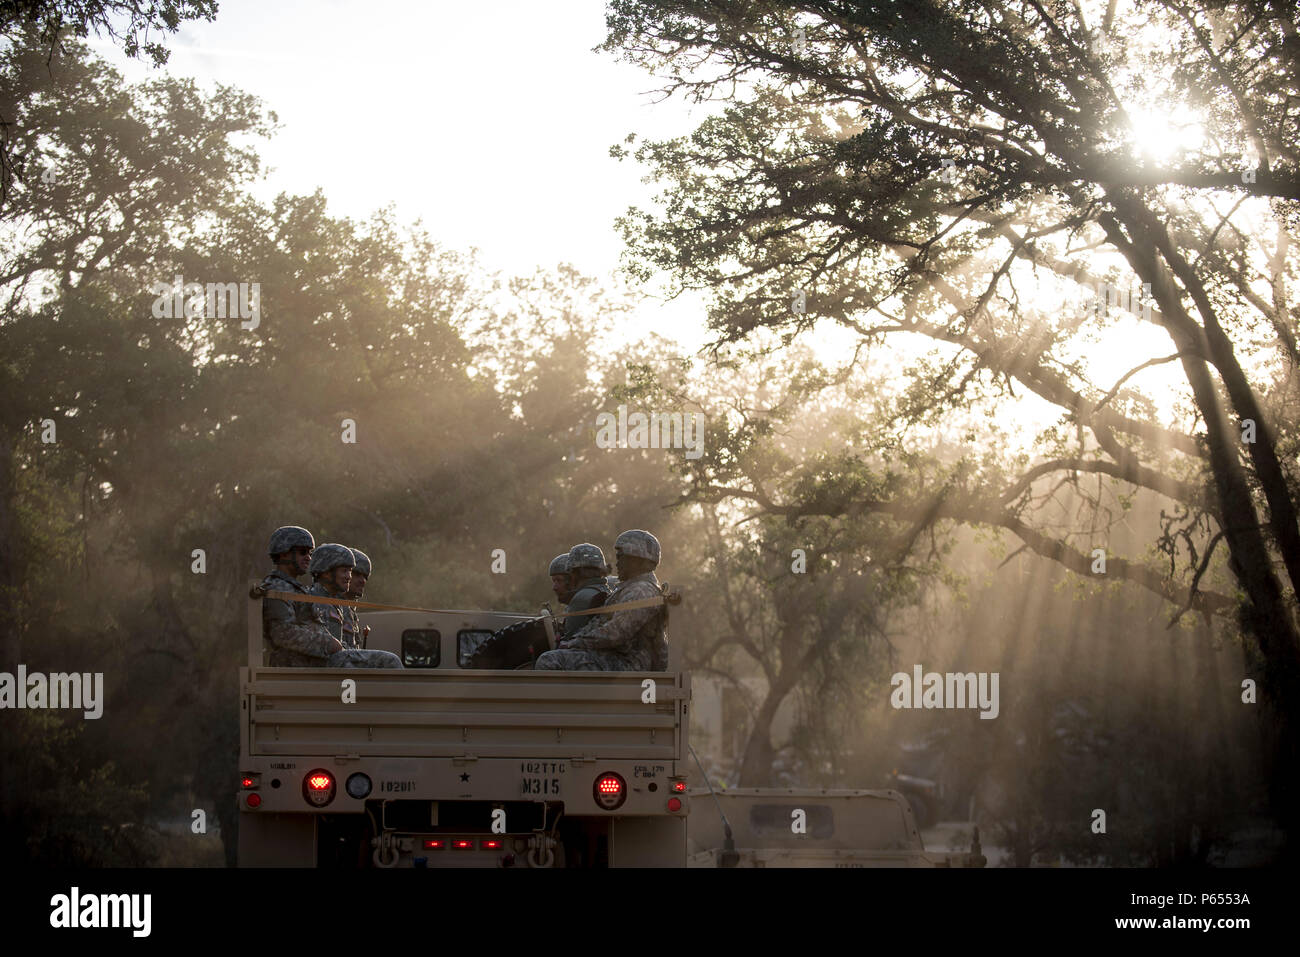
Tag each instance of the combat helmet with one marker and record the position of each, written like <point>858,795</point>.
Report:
<point>559,565</point>
<point>328,557</point>
<point>639,544</point>
<point>586,555</point>
<point>289,536</point>
<point>360,561</point>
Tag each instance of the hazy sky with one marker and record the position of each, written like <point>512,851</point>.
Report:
<point>491,122</point>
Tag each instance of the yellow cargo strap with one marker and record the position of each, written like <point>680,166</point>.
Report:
<point>256,592</point>
<point>621,606</point>
<point>664,596</point>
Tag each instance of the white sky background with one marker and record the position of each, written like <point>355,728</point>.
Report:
<point>490,122</point>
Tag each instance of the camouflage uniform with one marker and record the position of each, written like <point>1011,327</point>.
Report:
<point>295,638</point>
<point>301,634</point>
<point>332,617</point>
<point>352,633</point>
<point>632,640</point>
<point>352,657</point>
<point>362,658</point>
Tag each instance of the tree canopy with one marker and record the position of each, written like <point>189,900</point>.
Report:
<point>982,174</point>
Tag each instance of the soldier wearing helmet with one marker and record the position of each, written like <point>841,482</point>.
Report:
<point>299,632</point>
<point>331,567</point>
<point>561,580</point>
<point>634,639</point>
<point>587,568</point>
<point>331,573</point>
<point>354,636</point>
<point>295,637</point>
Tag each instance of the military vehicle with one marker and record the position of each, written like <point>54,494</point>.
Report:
<point>443,765</point>
<point>810,827</point>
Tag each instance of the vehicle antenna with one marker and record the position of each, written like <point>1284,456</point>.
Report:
<point>728,857</point>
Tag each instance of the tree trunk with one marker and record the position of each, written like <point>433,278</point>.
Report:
<point>1266,615</point>
<point>756,765</point>
<point>1263,451</point>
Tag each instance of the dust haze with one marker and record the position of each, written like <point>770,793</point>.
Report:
<point>923,446</point>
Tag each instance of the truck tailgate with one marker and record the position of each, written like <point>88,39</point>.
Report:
<point>301,711</point>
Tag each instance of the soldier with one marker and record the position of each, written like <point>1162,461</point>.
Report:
<point>587,568</point>
<point>331,567</point>
<point>630,640</point>
<point>331,574</point>
<point>295,639</point>
<point>561,580</point>
<point>354,636</point>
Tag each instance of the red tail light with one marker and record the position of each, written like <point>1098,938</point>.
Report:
<point>254,800</point>
<point>674,804</point>
<point>679,787</point>
<point>434,845</point>
<point>318,787</point>
<point>246,782</point>
<point>489,845</point>
<point>609,791</point>
<point>463,845</point>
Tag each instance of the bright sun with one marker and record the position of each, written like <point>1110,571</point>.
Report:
<point>1161,136</point>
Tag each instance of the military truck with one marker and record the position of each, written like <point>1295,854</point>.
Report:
<point>792,827</point>
<point>441,765</point>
